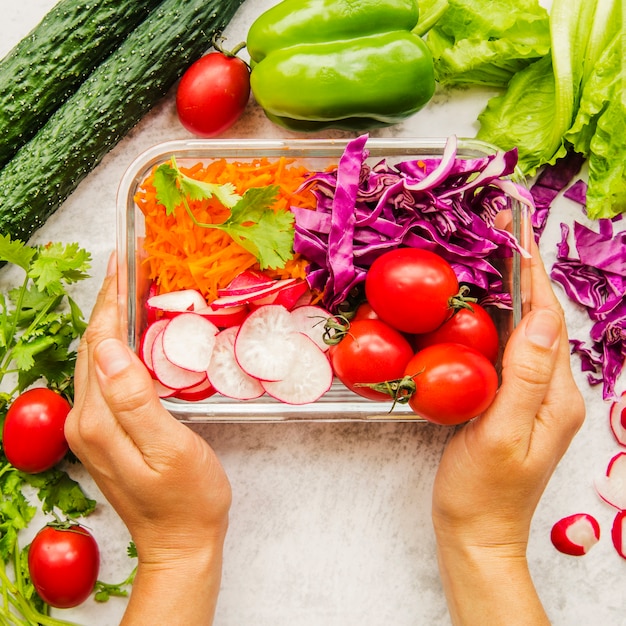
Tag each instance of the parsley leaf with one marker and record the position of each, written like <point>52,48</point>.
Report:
<point>253,223</point>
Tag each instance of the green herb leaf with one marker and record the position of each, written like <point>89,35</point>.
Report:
<point>16,252</point>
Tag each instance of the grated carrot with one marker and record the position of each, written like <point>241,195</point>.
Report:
<point>181,255</point>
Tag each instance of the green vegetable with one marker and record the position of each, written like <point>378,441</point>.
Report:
<point>480,42</point>
<point>51,62</point>
<point>253,224</point>
<point>339,64</point>
<point>104,108</point>
<point>571,99</point>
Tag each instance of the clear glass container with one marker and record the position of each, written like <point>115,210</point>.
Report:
<point>339,403</point>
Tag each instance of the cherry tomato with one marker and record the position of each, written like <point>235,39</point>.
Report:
<point>365,312</point>
<point>474,328</point>
<point>33,435</point>
<point>453,383</point>
<point>371,352</point>
<point>410,289</point>
<point>213,94</point>
<point>64,565</point>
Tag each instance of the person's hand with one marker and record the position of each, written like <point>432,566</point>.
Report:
<point>495,469</point>
<point>163,479</point>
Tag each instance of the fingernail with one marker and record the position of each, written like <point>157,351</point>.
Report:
<point>111,357</point>
<point>112,265</point>
<point>543,328</point>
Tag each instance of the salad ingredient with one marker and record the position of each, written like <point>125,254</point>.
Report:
<point>252,223</point>
<point>618,533</point>
<point>110,101</point>
<point>381,72</point>
<point>183,255</point>
<point>595,278</point>
<point>170,374</point>
<point>370,351</point>
<point>471,326</point>
<point>448,383</point>
<point>198,392</point>
<point>484,43</point>
<point>64,562</point>
<point>225,373</point>
<point>213,93</point>
<point>246,282</point>
<point>146,342</point>
<point>51,62</point>
<point>33,437</point>
<point>264,347</point>
<point>310,319</point>
<point>575,534</point>
<point>573,100</point>
<point>411,289</point>
<point>308,379</point>
<point>610,486</point>
<point>188,341</point>
<point>225,316</point>
<point>260,294</point>
<point>617,419</point>
<point>177,301</point>
<point>455,207</point>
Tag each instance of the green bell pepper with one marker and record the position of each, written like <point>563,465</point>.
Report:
<point>350,64</point>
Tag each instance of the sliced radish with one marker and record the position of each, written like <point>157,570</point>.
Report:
<point>264,346</point>
<point>309,377</point>
<point>177,301</point>
<point>188,341</point>
<point>224,371</point>
<point>147,341</point>
<point>247,298</point>
<point>618,533</point>
<point>287,296</point>
<point>162,390</point>
<point>202,391</point>
<point>617,417</point>
<point>612,486</point>
<point>169,374</point>
<point>310,320</point>
<point>226,316</point>
<point>575,534</point>
<point>246,282</point>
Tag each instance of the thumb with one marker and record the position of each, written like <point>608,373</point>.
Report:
<point>529,362</point>
<point>129,392</point>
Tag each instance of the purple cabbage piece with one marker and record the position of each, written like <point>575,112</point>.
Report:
<point>450,205</point>
<point>596,280</point>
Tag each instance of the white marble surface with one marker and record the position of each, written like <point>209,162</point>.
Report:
<point>331,522</point>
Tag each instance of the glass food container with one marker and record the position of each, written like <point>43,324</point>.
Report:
<point>338,403</point>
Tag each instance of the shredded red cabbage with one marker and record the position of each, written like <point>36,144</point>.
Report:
<point>596,279</point>
<point>450,205</point>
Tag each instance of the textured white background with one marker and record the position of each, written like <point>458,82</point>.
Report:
<point>331,522</point>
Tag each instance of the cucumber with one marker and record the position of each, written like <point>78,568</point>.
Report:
<point>113,98</point>
<point>49,64</point>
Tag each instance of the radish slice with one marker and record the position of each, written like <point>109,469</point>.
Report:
<point>612,486</point>
<point>162,390</point>
<point>188,341</point>
<point>226,316</point>
<point>246,282</point>
<point>617,417</point>
<point>169,374</point>
<point>147,341</point>
<point>310,320</point>
<point>177,301</point>
<point>198,392</point>
<point>576,534</point>
<point>287,296</point>
<point>224,372</point>
<point>618,533</point>
<point>309,377</point>
<point>247,298</point>
<point>264,346</point>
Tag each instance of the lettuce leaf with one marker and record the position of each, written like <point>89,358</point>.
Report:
<point>487,41</point>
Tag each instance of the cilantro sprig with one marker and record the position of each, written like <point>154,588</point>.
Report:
<point>266,233</point>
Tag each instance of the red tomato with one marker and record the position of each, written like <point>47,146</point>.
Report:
<point>371,352</point>
<point>365,312</point>
<point>33,435</point>
<point>213,94</point>
<point>474,328</point>
<point>64,565</point>
<point>410,289</point>
<point>453,383</point>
